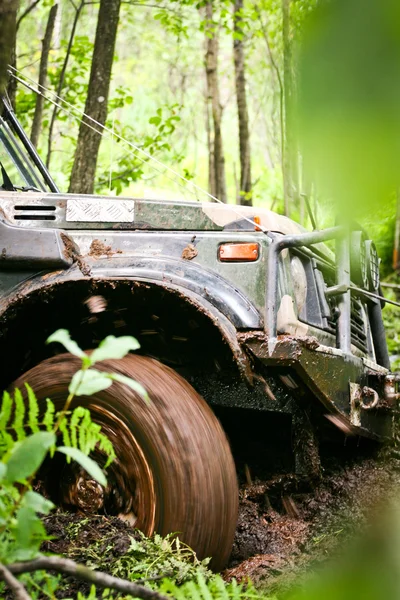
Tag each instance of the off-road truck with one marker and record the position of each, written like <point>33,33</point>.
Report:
<point>239,312</point>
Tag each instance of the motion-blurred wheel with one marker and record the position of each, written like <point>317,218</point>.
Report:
<point>174,470</point>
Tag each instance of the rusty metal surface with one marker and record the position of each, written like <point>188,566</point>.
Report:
<point>148,214</point>
<point>328,375</point>
<point>24,249</point>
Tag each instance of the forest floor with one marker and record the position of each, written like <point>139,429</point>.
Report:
<point>286,529</point>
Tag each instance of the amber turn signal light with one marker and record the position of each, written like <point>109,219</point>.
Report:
<point>238,252</point>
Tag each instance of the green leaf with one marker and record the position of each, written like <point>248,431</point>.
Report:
<point>48,419</point>
<point>29,533</point>
<point>155,120</point>
<point>87,463</point>
<point>37,503</point>
<point>134,385</point>
<point>114,347</point>
<point>3,471</point>
<point>33,416</point>
<point>5,413</point>
<point>88,382</point>
<point>19,415</point>
<point>27,456</point>
<point>62,337</point>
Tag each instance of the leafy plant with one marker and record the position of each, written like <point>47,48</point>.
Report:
<point>26,438</point>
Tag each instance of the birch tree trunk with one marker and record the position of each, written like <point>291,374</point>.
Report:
<point>290,153</point>
<point>89,139</point>
<point>213,94</point>
<point>44,61</point>
<point>245,192</point>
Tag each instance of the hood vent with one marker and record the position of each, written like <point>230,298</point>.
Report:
<point>34,212</point>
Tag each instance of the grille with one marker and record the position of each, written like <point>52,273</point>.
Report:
<point>358,332</point>
<point>34,212</point>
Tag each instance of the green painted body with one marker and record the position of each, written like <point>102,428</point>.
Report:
<point>56,250</point>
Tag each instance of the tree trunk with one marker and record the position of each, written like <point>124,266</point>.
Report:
<point>60,85</point>
<point>211,64</point>
<point>87,150</point>
<point>8,22</point>
<point>210,147</point>
<point>290,157</point>
<point>245,192</point>
<point>44,60</point>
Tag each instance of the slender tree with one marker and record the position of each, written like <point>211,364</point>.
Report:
<point>290,154</point>
<point>13,33</point>
<point>213,97</point>
<point>245,192</point>
<point>84,167</point>
<point>44,60</point>
<point>78,11</point>
<point>8,22</point>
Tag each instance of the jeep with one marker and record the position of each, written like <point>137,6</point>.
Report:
<point>243,318</point>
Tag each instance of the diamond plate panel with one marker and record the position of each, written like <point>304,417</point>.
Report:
<point>91,210</point>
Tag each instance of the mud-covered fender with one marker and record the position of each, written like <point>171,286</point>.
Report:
<point>189,278</point>
<point>224,304</point>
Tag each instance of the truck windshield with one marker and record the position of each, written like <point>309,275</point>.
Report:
<point>19,158</point>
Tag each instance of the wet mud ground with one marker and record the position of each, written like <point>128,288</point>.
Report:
<point>286,527</point>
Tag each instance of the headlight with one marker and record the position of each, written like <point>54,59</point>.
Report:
<point>372,263</point>
<point>299,282</point>
<point>358,261</point>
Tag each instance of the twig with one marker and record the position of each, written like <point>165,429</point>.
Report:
<point>394,286</point>
<point>15,586</point>
<point>69,567</point>
<point>26,12</point>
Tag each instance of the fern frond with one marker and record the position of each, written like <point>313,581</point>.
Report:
<point>33,409</point>
<point>83,432</point>
<point>6,440</point>
<point>202,585</point>
<point>64,429</point>
<point>19,415</point>
<point>5,413</point>
<point>76,416</point>
<point>49,415</point>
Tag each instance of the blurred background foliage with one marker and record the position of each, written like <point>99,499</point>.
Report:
<point>284,104</point>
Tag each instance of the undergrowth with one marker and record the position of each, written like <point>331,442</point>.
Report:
<point>164,563</point>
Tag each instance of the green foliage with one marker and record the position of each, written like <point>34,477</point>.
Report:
<point>214,588</point>
<point>25,420</point>
<point>27,436</point>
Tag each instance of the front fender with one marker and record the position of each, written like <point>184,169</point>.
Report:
<point>188,278</point>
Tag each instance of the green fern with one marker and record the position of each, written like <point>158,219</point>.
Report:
<point>49,415</point>
<point>215,588</point>
<point>19,418</point>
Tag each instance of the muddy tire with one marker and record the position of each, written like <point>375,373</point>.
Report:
<point>174,470</point>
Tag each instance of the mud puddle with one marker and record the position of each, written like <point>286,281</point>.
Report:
<point>287,528</point>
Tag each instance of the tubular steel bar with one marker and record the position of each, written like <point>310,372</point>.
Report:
<point>279,243</point>
<point>343,329</point>
<point>30,148</point>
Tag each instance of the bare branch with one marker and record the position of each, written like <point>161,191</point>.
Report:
<point>69,567</point>
<point>62,78</point>
<point>44,59</point>
<point>15,586</point>
<point>26,12</point>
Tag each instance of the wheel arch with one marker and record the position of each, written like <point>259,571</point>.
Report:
<point>49,301</point>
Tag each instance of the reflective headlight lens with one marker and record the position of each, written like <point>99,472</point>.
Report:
<point>372,261</point>
<point>358,260</point>
<point>299,282</point>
